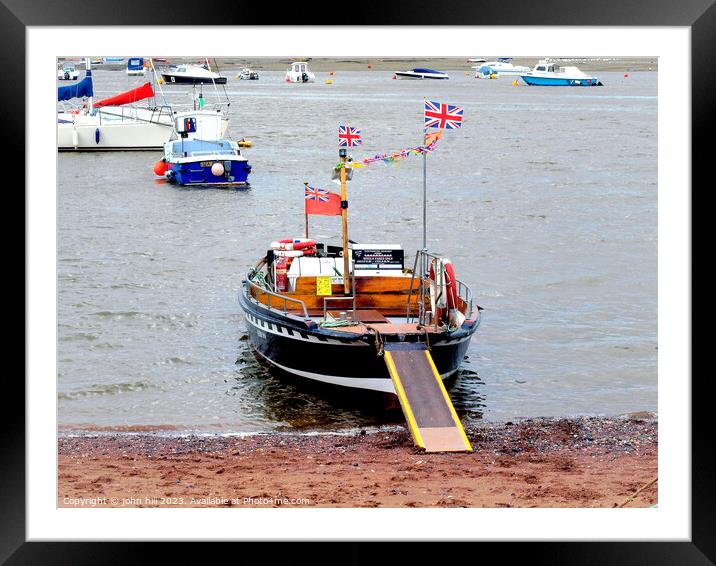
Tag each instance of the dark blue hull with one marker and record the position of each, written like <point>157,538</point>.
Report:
<point>199,173</point>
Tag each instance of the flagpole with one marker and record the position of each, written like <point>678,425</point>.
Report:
<point>344,220</point>
<point>423,264</point>
<point>305,208</point>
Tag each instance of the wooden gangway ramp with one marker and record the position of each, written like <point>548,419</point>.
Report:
<point>431,417</point>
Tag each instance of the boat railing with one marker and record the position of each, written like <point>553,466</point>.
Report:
<point>421,267</point>
<point>278,299</point>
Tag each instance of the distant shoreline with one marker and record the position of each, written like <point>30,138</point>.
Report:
<point>328,64</point>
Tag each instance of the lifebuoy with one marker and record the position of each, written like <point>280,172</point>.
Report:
<point>451,284</point>
<point>293,244</point>
<point>444,293</point>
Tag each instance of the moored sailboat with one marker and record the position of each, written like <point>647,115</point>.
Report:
<point>111,124</point>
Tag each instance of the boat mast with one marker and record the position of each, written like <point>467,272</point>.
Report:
<point>342,152</point>
<point>88,67</point>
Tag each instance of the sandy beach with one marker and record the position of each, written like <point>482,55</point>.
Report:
<point>580,462</point>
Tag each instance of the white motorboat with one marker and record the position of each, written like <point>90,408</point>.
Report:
<point>68,72</point>
<point>547,73</point>
<point>299,73</point>
<point>192,74</point>
<point>500,66</point>
<point>420,73</point>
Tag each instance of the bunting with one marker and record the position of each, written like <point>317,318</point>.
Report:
<point>431,141</point>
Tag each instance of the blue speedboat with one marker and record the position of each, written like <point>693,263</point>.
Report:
<point>546,73</point>
<point>199,157</point>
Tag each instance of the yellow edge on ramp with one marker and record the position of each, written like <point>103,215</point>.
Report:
<point>404,400</point>
<point>458,424</point>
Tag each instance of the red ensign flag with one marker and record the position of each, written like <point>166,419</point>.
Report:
<point>322,202</point>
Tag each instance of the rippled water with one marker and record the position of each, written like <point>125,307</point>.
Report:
<point>546,202</point>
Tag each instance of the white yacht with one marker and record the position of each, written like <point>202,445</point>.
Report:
<point>500,66</point>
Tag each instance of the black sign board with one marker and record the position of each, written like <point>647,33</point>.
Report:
<point>378,259</point>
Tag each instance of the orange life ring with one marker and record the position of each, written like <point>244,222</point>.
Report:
<point>451,283</point>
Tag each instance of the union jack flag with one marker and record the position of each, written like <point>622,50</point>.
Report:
<point>438,115</point>
<point>320,195</point>
<point>348,136</point>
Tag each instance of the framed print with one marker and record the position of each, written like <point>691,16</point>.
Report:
<point>429,284</point>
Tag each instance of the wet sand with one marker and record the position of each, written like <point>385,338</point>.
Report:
<point>581,462</point>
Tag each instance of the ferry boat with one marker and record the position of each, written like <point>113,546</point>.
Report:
<point>331,313</point>
<point>192,74</point>
<point>419,73</point>
<point>68,72</point>
<point>547,73</point>
<point>200,157</point>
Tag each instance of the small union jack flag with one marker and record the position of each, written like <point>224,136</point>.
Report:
<point>438,115</point>
<point>348,136</point>
<point>320,195</point>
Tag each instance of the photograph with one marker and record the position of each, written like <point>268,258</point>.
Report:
<point>424,279</point>
<point>311,281</point>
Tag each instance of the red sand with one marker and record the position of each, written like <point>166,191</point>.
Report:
<point>584,462</point>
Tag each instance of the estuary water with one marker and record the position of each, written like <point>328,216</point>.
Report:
<point>545,201</point>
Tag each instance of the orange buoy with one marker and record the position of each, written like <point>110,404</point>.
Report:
<point>160,167</point>
<point>626,75</point>
<point>331,73</point>
<point>394,77</point>
<point>370,66</point>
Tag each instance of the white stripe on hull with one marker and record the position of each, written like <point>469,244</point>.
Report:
<point>384,385</point>
<point>279,330</point>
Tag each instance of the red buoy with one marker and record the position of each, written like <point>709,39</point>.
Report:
<point>160,167</point>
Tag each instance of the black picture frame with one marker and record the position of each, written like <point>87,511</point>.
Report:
<point>699,15</point>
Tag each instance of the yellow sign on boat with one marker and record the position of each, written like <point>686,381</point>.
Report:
<point>323,285</point>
